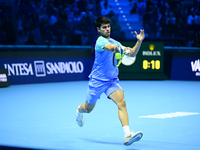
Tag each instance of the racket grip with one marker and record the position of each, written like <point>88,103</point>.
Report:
<point>127,52</point>
<point>119,63</point>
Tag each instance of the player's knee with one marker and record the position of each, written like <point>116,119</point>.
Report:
<point>122,103</point>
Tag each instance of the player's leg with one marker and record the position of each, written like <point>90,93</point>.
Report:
<point>116,93</point>
<point>118,97</point>
<point>95,89</point>
<point>86,107</point>
<point>129,137</point>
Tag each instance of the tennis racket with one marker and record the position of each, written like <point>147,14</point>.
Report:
<point>117,57</point>
<point>128,60</point>
<point>122,57</point>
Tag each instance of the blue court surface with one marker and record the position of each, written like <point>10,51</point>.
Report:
<point>42,116</point>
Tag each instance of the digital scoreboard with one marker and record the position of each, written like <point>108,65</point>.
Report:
<point>148,63</point>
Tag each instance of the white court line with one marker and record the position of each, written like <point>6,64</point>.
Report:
<point>170,115</point>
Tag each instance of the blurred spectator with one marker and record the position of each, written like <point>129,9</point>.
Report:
<point>198,18</point>
<point>183,16</point>
<point>82,5</point>
<point>151,22</point>
<point>180,28</point>
<point>7,28</point>
<point>105,8</point>
<point>76,19</point>
<point>91,6</point>
<point>38,6</point>
<point>141,6</point>
<point>170,24</point>
<point>192,18</point>
<point>31,24</point>
<point>196,41</point>
<point>117,33</point>
<point>134,8</point>
<point>31,40</point>
<point>149,5</point>
<point>43,15</point>
<point>20,27</point>
<point>43,21</point>
<point>84,38</point>
<point>50,8</point>
<point>58,31</point>
<point>70,2</point>
<point>97,11</point>
<point>54,17</point>
<point>28,7</point>
<point>163,25</point>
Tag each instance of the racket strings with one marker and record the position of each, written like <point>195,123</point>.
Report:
<point>118,57</point>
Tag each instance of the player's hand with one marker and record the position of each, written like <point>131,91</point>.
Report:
<point>126,50</point>
<point>140,36</point>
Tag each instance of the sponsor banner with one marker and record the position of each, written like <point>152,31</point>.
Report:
<point>25,70</point>
<point>186,66</point>
<point>4,78</point>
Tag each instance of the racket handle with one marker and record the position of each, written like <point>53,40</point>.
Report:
<point>127,52</point>
<point>122,51</point>
<point>119,63</point>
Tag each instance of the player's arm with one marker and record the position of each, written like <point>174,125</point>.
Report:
<point>133,51</point>
<point>114,48</point>
<point>111,47</point>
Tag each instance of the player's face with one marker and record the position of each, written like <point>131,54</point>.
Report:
<point>104,30</point>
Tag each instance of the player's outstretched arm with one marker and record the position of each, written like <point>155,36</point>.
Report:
<point>133,51</point>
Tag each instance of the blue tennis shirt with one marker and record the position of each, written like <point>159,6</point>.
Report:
<point>103,68</point>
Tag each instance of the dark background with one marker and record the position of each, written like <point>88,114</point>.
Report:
<point>71,22</point>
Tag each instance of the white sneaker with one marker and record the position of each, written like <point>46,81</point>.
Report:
<point>79,118</point>
<point>132,137</point>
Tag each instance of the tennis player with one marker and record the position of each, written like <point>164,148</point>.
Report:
<point>104,78</point>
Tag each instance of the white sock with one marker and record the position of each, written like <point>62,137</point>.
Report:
<point>126,130</point>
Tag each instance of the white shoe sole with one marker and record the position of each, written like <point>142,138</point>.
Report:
<point>135,137</point>
<point>79,119</point>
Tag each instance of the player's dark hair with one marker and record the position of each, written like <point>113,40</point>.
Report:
<point>101,20</point>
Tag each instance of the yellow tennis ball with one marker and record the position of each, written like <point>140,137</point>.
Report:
<point>118,56</point>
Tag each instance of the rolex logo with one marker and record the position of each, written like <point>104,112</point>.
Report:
<point>151,51</point>
<point>151,47</point>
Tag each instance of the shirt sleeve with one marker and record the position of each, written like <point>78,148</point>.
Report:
<point>101,43</point>
<point>120,45</point>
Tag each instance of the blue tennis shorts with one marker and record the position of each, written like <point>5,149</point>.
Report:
<point>97,87</point>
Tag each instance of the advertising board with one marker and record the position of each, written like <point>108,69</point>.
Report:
<point>186,66</point>
<point>60,66</point>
